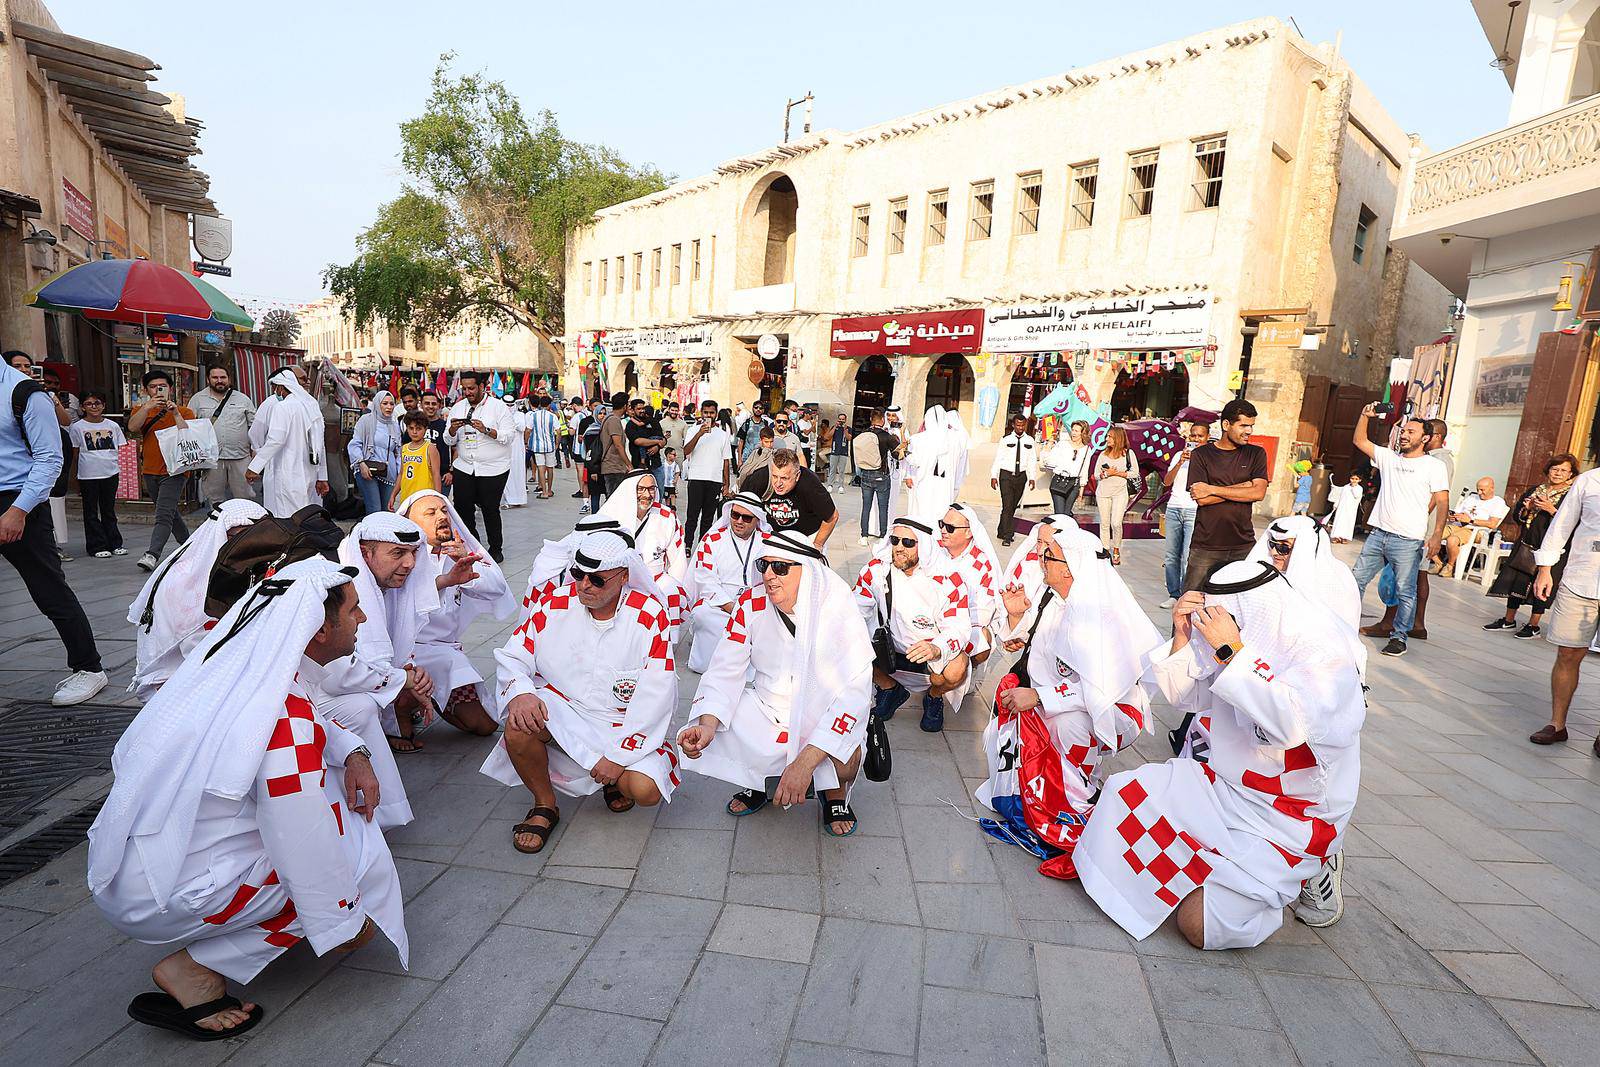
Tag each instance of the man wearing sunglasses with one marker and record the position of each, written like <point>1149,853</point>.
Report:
<point>785,694</point>
<point>965,548</point>
<point>587,689</point>
<point>784,435</point>
<point>926,615</point>
<point>724,566</point>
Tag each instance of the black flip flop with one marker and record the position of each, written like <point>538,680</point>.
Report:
<point>836,811</point>
<point>542,832</point>
<point>163,1010</point>
<point>752,799</point>
<point>612,795</point>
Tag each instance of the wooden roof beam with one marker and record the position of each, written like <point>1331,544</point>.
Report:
<point>54,67</point>
<point>72,83</point>
<point>42,52</point>
<point>83,46</point>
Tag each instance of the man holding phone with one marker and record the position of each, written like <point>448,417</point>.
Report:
<point>708,468</point>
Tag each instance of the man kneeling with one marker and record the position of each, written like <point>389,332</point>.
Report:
<point>802,715</point>
<point>587,690</point>
<point>228,828</point>
<point>1229,843</point>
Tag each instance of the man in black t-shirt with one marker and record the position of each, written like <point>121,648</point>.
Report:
<point>645,438</point>
<point>794,497</point>
<point>1226,477</point>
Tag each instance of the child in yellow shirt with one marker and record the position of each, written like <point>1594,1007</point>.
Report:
<point>419,461</point>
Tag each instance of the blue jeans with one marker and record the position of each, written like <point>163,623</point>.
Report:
<point>374,493</point>
<point>1180,527</point>
<point>1404,554</point>
<point>874,483</point>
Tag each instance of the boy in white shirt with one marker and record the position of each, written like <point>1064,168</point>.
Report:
<point>671,472</point>
<point>97,440</point>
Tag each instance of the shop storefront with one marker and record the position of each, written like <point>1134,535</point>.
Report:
<point>673,362</point>
<point>884,347</point>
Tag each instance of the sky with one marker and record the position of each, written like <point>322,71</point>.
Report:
<point>302,101</point>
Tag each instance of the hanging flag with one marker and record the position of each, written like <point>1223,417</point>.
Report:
<point>394,381</point>
<point>441,383</point>
<point>527,384</point>
<point>455,388</point>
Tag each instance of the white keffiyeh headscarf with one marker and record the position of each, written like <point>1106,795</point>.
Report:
<point>503,605</point>
<point>1282,626</point>
<point>555,557</point>
<point>393,615</point>
<point>623,503</point>
<point>980,539</point>
<point>207,730</point>
<point>1024,571</point>
<point>957,444</point>
<point>306,404</point>
<point>724,528</point>
<point>606,550</point>
<point>931,559</point>
<point>1099,630</point>
<point>172,604</point>
<point>1313,568</point>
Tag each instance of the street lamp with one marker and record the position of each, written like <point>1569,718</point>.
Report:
<point>1504,60</point>
<point>36,236</point>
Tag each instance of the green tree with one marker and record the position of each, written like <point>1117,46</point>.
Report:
<point>479,231</point>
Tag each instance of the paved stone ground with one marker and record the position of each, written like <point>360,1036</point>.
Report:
<point>1472,929</point>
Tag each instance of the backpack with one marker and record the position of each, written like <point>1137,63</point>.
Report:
<point>24,391</point>
<point>264,547</point>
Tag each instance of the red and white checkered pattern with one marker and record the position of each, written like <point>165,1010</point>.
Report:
<point>294,751</point>
<point>277,935</point>
<point>1169,861</point>
<point>241,897</point>
<point>981,567</point>
<point>702,555</point>
<point>750,601</point>
<point>1299,769</point>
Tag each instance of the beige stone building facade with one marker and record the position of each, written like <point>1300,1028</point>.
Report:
<point>326,331</point>
<point>93,161</point>
<point>1245,167</point>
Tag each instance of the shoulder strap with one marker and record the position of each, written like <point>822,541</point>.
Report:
<point>20,395</point>
<point>1038,617</point>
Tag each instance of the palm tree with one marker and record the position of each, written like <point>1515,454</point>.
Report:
<point>280,328</point>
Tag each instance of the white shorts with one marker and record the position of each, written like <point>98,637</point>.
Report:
<point>544,459</point>
<point>1572,620</point>
<point>753,749</point>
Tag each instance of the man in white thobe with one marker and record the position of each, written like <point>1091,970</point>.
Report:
<point>587,690</point>
<point>239,821</point>
<point>724,567</point>
<point>459,691</point>
<point>290,460</point>
<point>552,565</point>
<point>786,693</point>
<point>1227,844</point>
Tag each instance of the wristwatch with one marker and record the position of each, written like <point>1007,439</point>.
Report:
<point>360,750</point>
<point>1225,653</point>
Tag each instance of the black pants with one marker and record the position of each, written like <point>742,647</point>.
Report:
<point>1065,499</point>
<point>611,481</point>
<point>597,491</point>
<point>1203,561</point>
<point>703,500</point>
<point>482,491</point>
<point>34,556</point>
<point>100,530</point>
<point>1012,483</point>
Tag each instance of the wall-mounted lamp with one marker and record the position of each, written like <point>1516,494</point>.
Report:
<point>36,236</point>
<point>1564,289</point>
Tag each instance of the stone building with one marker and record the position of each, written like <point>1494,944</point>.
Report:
<point>1244,168</point>
<point>1510,223</point>
<point>93,161</point>
<point>325,330</point>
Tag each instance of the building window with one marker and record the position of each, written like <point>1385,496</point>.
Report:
<point>981,214</point>
<point>1030,192</point>
<point>604,277</point>
<point>897,226</point>
<point>1141,182</point>
<point>588,279</point>
<point>677,264</point>
<point>1364,223</point>
<point>1085,179</point>
<point>655,268</point>
<point>938,215</point>
<point>638,271</point>
<point>622,270</point>
<point>694,260</point>
<point>860,230</point>
<point>1209,155</point>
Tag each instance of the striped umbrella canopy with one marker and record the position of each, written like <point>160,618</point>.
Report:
<point>140,292</point>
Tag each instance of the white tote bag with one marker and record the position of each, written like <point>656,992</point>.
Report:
<point>189,448</point>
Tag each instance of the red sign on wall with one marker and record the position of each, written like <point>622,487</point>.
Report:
<point>77,209</point>
<point>928,333</point>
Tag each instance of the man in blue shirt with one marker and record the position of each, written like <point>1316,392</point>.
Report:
<point>30,461</point>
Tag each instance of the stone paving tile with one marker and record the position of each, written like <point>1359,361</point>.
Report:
<point>615,877</point>
<point>15,920</point>
<point>865,879</point>
<point>765,933</point>
<point>982,964</point>
<point>565,907</point>
<point>1506,975</point>
<point>1188,991</point>
<point>1208,1045</point>
<point>1331,1020</point>
<point>639,965</point>
<point>576,1035</point>
<point>1559,1036</point>
<point>978,909</point>
<point>1427,916</point>
<point>1562,952</point>
<point>704,1030</point>
<point>691,863</point>
<point>1097,1000</point>
<point>865,986</point>
<point>795,892</point>
<point>45,953</point>
<point>490,1002</point>
<point>810,1054</point>
<point>961,1027</point>
<point>1457,1024</point>
<point>308,1032</point>
<point>599,837</point>
<point>457,909</point>
<point>1376,951</point>
<point>1443,866</point>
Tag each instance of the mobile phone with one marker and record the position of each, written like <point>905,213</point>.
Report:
<point>1383,409</point>
<point>37,371</point>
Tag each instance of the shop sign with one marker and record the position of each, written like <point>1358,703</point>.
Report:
<point>672,342</point>
<point>202,267</point>
<point>213,237</point>
<point>768,346</point>
<point>77,209</point>
<point>116,237</point>
<point>929,333</point>
<point>1157,320</point>
<point>1279,334</point>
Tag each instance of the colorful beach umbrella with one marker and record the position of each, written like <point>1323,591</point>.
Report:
<point>140,292</point>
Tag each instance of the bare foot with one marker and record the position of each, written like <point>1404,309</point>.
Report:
<point>181,978</point>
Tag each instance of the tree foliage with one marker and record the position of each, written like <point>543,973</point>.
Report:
<point>479,231</point>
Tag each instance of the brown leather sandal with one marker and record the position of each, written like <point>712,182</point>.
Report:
<point>541,832</point>
<point>613,795</point>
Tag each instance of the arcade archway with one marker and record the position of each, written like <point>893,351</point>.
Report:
<point>874,389</point>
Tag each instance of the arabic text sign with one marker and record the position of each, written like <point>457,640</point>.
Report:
<point>932,333</point>
<point>77,210</point>
<point>1156,320</point>
<point>671,342</point>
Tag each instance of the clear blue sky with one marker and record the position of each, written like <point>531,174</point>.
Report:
<point>302,100</point>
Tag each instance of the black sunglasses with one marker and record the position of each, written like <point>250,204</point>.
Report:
<point>780,567</point>
<point>903,542</point>
<point>579,575</point>
<point>738,517</point>
<point>1279,548</point>
<point>948,528</point>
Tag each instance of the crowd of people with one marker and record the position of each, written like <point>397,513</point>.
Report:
<point>254,789</point>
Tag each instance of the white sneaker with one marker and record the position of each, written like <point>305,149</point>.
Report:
<point>148,561</point>
<point>119,552</point>
<point>78,687</point>
<point>1321,900</point>
<point>1167,603</point>
<point>864,541</point>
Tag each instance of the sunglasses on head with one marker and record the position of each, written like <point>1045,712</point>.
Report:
<point>1279,548</point>
<point>903,542</point>
<point>780,567</point>
<point>579,575</point>
<point>948,528</point>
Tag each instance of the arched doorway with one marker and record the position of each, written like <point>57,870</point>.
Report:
<point>874,389</point>
<point>1033,379</point>
<point>626,377</point>
<point>950,385</point>
<point>767,234</point>
<point>1149,389</point>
